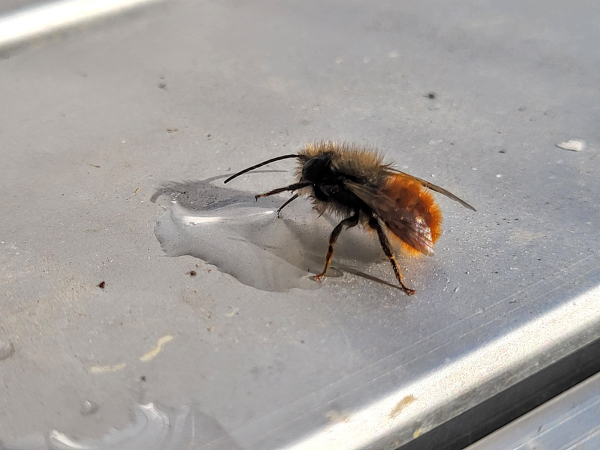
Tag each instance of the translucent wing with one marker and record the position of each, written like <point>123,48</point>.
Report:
<point>433,187</point>
<point>404,223</point>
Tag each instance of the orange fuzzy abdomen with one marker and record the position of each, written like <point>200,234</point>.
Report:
<point>410,195</point>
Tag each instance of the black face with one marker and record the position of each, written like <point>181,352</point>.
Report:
<point>318,169</point>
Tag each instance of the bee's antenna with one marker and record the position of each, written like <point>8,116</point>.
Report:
<point>259,165</point>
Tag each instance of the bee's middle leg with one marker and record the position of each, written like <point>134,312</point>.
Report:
<point>287,203</point>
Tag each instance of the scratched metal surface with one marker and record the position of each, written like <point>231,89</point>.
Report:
<point>95,123</point>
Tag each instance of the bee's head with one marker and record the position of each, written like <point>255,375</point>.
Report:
<point>317,169</point>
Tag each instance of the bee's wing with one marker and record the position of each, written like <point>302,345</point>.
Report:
<point>405,224</point>
<point>433,187</point>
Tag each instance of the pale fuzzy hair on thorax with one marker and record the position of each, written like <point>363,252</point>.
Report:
<point>348,158</point>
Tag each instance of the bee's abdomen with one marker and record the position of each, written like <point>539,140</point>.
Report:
<point>410,195</point>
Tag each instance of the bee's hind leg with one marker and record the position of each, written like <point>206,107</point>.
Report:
<point>387,249</point>
<point>350,222</point>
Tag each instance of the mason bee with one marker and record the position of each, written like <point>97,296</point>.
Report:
<point>353,182</point>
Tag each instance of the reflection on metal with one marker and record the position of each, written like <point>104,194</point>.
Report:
<point>30,23</point>
<point>473,371</point>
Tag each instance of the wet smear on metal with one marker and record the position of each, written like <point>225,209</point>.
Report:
<point>246,239</point>
<point>151,428</point>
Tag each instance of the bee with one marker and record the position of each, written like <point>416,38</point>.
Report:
<point>353,182</point>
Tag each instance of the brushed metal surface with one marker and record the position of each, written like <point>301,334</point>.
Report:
<point>99,130</point>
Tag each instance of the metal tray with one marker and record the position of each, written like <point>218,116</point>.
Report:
<point>103,125</point>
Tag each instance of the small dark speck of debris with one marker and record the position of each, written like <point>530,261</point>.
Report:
<point>102,285</point>
<point>207,135</point>
<point>172,130</point>
<point>143,378</point>
<point>94,165</point>
<point>162,85</point>
<point>512,301</point>
<point>191,273</point>
<point>502,151</point>
<point>302,341</point>
<point>431,95</point>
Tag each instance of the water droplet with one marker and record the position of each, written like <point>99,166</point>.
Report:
<point>150,429</point>
<point>88,408</point>
<point>247,240</point>
<point>6,349</point>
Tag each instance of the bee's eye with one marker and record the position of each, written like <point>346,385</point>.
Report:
<point>317,169</point>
